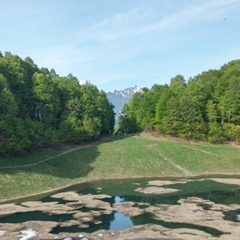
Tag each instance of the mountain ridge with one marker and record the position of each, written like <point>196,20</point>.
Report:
<point>120,97</point>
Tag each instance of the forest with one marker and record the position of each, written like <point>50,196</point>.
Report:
<point>206,107</point>
<point>39,108</point>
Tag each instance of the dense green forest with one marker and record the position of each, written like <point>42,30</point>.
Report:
<point>40,108</point>
<point>207,107</point>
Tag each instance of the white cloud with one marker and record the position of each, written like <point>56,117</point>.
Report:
<point>136,21</point>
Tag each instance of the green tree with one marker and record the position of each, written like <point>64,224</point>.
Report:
<point>47,102</point>
<point>127,120</point>
<point>161,108</point>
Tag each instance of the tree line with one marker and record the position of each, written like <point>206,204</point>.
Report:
<point>206,107</point>
<point>40,108</point>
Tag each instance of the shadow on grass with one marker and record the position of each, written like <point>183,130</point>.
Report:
<point>52,172</point>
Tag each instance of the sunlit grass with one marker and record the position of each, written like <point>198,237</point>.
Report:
<point>119,157</point>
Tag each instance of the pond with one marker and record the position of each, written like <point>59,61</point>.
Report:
<point>193,204</point>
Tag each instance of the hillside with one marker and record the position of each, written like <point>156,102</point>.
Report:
<point>116,157</point>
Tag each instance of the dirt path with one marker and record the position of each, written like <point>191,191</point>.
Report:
<point>169,161</point>
<point>203,151</point>
<point>47,159</point>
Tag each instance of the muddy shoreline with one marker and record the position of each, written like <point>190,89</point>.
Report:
<point>189,211</point>
<point>55,190</point>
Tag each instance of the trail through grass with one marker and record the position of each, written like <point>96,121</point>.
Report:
<point>118,157</point>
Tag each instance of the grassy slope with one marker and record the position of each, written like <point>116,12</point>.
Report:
<point>120,157</point>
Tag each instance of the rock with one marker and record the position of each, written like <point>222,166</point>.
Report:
<point>156,190</point>
<point>235,181</point>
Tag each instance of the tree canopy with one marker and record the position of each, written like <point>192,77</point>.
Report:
<point>207,107</point>
<point>40,108</point>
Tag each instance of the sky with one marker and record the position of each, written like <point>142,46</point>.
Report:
<point>116,44</point>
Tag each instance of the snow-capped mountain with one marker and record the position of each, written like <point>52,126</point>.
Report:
<point>119,98</point>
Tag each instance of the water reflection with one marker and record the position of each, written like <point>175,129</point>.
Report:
<point>232,215</point>
<point>118,199</point>
<point>34,216</point>
<point>124,191</point>
<point>120,222</point>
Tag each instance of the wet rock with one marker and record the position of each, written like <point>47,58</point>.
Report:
<point>37,204</point>
<point>128,209</point>
<point>89,201</point>
<point>13,231</point>
<point>235,181</point>
<point>68,196</point>
<point>160,183</point>
<point>156,190</point>
<point>7,209</point>
<point>196,200</point>
<point>75,205</point>
<point>70,223</point>
<point>48,207</point>
<point>188,211</point>
<point>83,217</point>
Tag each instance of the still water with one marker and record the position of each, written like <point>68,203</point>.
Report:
<point>124,191</point>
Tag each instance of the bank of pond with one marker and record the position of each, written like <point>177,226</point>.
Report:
<point>204,207</point>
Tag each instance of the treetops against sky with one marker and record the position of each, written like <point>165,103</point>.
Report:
<point>207,107</point>
<point>39,108</point>
<point>120,43</point>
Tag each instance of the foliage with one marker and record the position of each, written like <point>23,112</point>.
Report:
<point>206,108</point>
<point>40,108</point>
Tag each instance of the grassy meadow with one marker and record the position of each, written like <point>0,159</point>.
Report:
<point>116,157</point>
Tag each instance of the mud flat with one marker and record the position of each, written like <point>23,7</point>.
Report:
<point>192,214</point>
<point>227,180</point>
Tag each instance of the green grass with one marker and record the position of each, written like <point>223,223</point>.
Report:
<point>120,157</point>
<point>33,157</point>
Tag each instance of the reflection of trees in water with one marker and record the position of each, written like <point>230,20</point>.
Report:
<point>154,199</point>
<point>208,192</point>
<point>220,197</point>
<point>224,197</point>
<point>89,190</point>
<point>106,220</point>
<point>208,189</point>
<point>147,218</point>
<point>34,216</point>
<point>232,215</point>
<point>143,219</point>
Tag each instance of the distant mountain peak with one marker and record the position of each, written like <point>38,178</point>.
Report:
<point>119,97</point>
<point>127,91</point>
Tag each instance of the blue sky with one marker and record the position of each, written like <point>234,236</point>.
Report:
<point>121,43</point>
